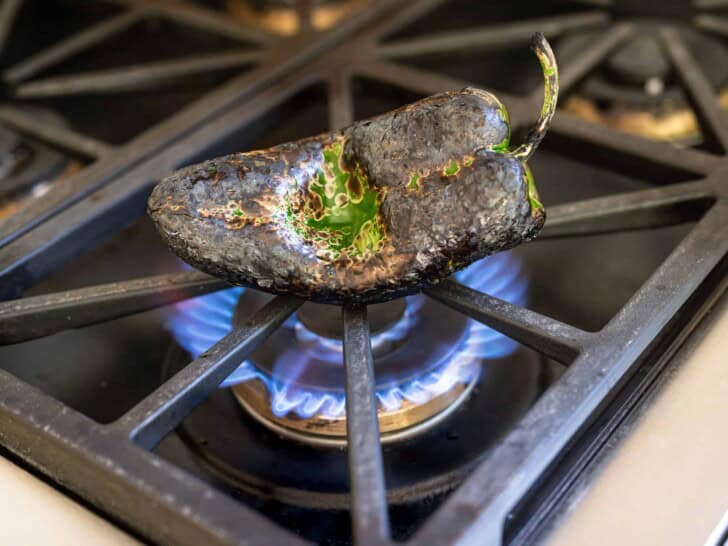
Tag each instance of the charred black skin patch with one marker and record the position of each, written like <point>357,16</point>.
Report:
<point>375,211</point>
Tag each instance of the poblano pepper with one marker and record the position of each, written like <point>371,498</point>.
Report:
<point>374,211</point>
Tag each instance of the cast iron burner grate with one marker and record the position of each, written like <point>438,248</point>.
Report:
<point>111,465</point>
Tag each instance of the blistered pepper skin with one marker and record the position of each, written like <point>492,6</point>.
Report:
<point>376,211</point>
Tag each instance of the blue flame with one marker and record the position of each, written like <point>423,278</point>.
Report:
<point>199,323</point>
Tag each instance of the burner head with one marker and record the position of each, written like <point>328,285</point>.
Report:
<point>427,357</point>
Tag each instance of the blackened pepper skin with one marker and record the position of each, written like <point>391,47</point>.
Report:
<point>373,212</point>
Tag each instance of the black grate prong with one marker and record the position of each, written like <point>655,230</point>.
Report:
<point>546,335</point>
<point>366,473</point>
<point>8,10</point>
<point>70,46</point>
<point>187,13</point>
<point>39,316</point>
<point>156,415</point>
<point>57,135</point>
<point>712,23</point>
<point>645,209</point>
<point>617,150</point>
<point>573,72</point>
<point>408,12</point>
<point>487,38</point>
<point>341,105</point>
<point>139,77</point>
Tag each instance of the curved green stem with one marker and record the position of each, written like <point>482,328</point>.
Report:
<point>545,55</point>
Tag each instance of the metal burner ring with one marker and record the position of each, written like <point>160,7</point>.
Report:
<point>401,424</point>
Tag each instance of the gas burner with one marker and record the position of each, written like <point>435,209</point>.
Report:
<point>427,357</point>
<point>426,364</point>
<point>636,90</point>
<point>638,74</point>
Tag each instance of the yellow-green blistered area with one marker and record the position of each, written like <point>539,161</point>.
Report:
<point>339,211</point>
<point>532,193</point>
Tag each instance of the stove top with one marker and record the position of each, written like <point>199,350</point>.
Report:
<point>187,412</point>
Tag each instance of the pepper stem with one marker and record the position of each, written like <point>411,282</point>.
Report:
<point>546,57</point>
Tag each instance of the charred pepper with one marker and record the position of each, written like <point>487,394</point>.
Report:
<point>375,211</point>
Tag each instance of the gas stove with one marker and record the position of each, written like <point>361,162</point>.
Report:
<point>482,411</point>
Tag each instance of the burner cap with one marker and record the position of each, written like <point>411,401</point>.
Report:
<point>640,59</point>
<point>325,320</point>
